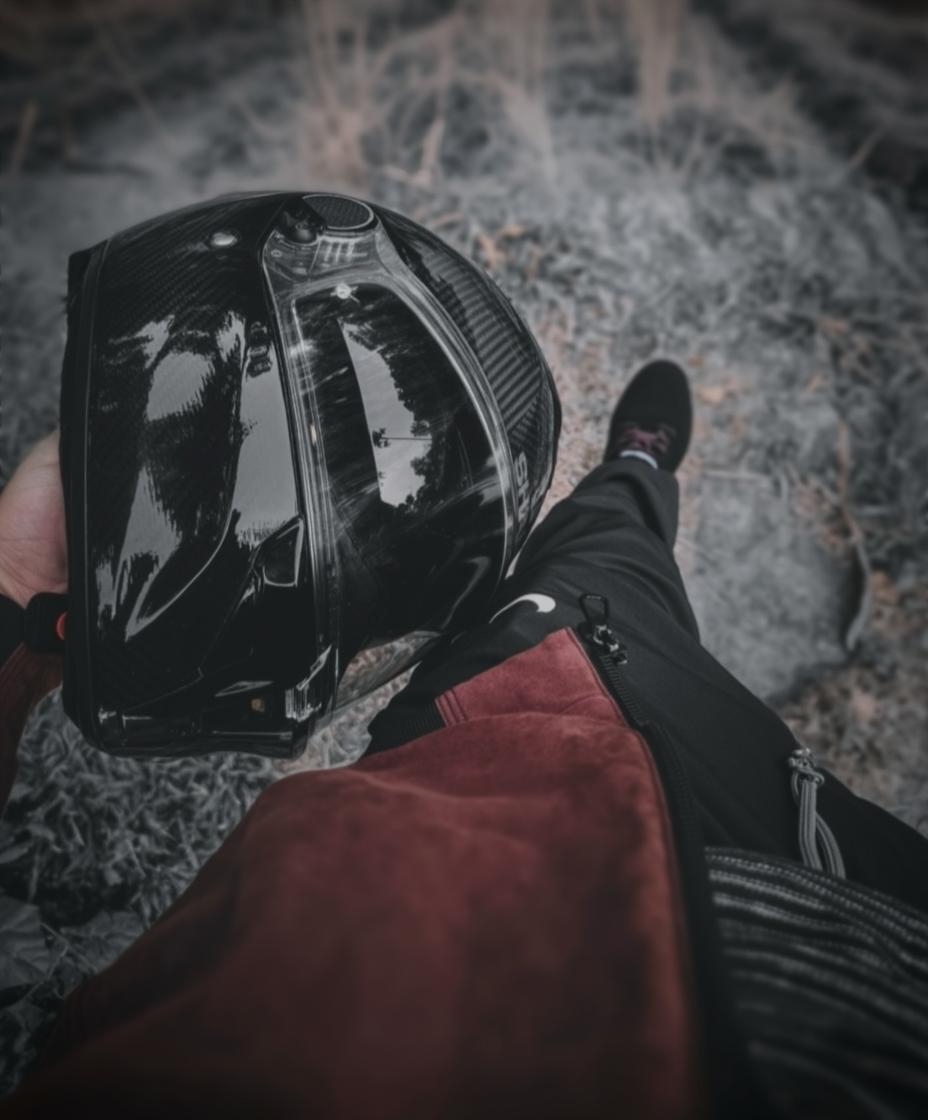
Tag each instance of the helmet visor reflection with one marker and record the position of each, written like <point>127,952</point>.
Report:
<point>412,486</point>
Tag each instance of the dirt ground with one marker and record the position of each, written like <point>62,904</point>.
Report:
<point>739,185</point>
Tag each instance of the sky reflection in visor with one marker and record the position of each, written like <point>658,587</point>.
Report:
<point>399,440</point>
<point>399,429</point>
<point>409,471</point>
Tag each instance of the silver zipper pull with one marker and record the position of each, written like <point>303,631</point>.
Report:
<point>596,612</point>
<point>607,640</point>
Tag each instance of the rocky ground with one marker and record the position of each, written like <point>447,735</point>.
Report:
<point>742,186</point>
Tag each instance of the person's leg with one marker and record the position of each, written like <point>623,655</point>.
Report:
<point>734,747</point>
<point>613,537</point>
<point>621,520</point>
<point>623,517</point>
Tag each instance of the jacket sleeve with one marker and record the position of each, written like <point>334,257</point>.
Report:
<point>482,923</point>
<point>25,677</point>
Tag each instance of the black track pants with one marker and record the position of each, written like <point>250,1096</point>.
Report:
<point>614,537</point>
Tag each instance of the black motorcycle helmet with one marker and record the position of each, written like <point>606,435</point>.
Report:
<point>301,437</point>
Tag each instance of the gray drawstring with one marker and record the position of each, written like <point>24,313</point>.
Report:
<point>817,842</point>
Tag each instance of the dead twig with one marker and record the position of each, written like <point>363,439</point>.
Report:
<point>115,49</point>
<point>862,614</point>
<point>27,121</point>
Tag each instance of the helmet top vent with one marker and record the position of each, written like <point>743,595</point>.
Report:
<point>340,214</point>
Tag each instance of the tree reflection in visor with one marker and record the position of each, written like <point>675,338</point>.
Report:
<point>410,476</point>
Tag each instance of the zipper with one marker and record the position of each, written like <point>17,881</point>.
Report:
<point>730,1073</point>
<point>611,655</point>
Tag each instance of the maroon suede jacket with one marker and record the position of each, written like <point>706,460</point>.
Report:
<point>488,921</point>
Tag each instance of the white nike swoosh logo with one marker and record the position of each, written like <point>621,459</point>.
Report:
<point>544,603</point>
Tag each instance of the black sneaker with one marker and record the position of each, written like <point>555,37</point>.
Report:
<point>654,416</point>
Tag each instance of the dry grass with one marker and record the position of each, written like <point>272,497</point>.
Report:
<point>371,107</point>
<point>655,26</point>
<point>69,54</point>
<point>338,78</point>
<point>867,721</point>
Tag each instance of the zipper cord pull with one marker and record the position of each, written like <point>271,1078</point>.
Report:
<point>596,612</point>
<point>817,842</point>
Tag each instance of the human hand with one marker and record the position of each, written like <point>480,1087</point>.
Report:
<point>33,549</point>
